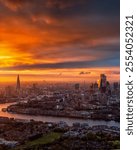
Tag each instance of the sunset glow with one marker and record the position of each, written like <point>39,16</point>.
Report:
<point>58,40</point>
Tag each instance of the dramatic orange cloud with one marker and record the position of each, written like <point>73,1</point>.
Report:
<point>58,39</point>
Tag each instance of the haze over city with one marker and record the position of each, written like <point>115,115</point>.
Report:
<point>59,40</point>
<point>59,74</point>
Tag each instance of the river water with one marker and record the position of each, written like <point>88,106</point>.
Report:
<point>69,121</point>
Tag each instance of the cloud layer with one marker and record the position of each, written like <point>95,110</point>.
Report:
<point>59,34</point>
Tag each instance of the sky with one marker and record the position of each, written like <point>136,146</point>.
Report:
<point>59,40</point>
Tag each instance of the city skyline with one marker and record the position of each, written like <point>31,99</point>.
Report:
<point>59,40</point>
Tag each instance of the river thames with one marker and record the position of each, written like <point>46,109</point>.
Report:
<point>69,121</point>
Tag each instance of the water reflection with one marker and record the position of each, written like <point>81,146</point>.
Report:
<point>69,121</point>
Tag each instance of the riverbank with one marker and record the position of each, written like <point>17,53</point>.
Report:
<point>54,119</point>
<point>99,114</point>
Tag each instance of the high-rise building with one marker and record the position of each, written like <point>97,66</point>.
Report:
<point>94,88</point>
<point>18,83</point>
<point>103,83</point>
<point>116,85</point>
<point>77,86</point>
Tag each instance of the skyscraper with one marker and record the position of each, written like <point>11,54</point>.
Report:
<point>18,83</point>
<point>103,81</point>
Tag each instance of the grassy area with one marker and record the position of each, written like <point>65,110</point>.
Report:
<point>45,139</point>
<point>48,138</point>
<point>116,144</point>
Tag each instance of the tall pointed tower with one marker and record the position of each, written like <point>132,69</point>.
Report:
<point>18,83</point>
